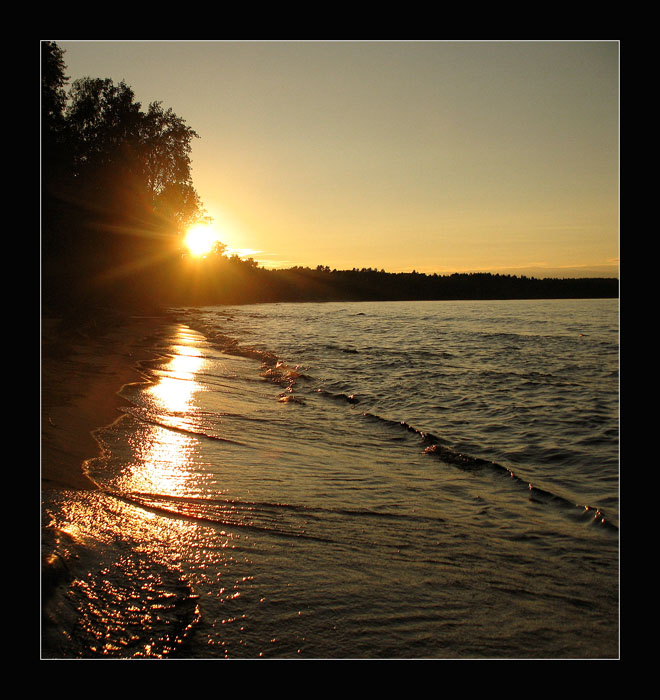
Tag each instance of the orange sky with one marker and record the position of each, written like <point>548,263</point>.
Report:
<point>434,156</point>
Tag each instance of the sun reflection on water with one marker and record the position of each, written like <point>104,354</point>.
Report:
<point>162,463</point>
<point>136,564</point>
<point>163,452</point>
<point>176,388</point>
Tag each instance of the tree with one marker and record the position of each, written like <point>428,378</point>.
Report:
<point>116,145</point>
<point>102,120</point>
<point>113,139</point>
<point>117,182</point>
<point>53,93</point>
<point>54,152</point>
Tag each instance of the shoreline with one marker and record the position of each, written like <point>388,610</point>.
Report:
<point>84,364</point>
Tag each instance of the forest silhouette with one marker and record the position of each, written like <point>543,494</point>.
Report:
<point>118,196</point>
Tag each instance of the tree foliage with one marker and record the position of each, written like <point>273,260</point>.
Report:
<point>53,92</point>
<point>117,190</point>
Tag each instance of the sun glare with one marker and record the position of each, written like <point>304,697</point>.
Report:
<point>200,239</point>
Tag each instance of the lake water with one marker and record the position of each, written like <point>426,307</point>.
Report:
<point>357,480</point>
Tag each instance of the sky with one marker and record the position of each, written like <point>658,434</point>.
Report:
<point>434,156</point>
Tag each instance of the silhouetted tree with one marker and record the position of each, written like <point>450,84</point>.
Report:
<point>53,92</point>
<point>55,155</point>
<point>117,185</point>
<point>114,142</point>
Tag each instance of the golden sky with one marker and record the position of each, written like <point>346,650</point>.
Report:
<point>433,156</point>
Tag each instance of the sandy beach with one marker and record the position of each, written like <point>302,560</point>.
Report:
<point>83,366</point>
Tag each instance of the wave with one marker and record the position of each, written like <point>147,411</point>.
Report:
<point>348,398</point>
<point>272,366</point>
<point>276,370</point>
<point>144,417</point>
<point>340,348</point>
<point>437,447</point>
<point>229,514</point>
<point>285,520</point>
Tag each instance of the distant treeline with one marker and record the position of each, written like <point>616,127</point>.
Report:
<point>117,197</point>
<point>232,280</point>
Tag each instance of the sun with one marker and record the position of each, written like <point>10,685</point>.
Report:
<point>200,239</point>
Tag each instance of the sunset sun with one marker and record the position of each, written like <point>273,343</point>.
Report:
<point>200,240</point>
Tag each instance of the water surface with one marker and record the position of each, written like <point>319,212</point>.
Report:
<point>357,480</point>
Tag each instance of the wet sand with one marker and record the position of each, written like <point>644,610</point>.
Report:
<point>83,366</point>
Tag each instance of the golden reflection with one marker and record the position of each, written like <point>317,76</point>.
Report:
<point>176,387</point>
<point>162,465</point>
<point>174,394</point>
<point>164,457</point>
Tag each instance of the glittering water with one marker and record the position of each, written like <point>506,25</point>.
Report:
<point>351,480</point>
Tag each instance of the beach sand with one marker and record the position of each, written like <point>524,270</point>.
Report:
<point>83,366</point>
